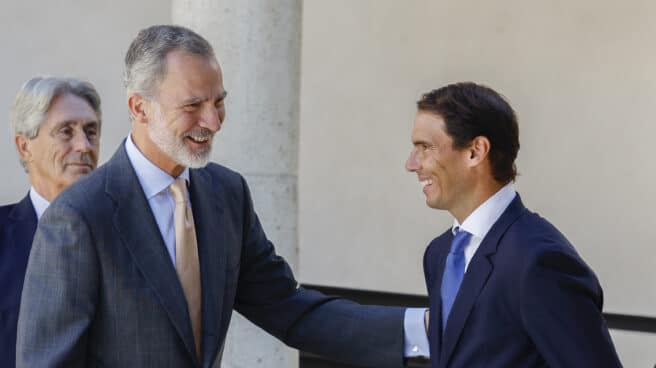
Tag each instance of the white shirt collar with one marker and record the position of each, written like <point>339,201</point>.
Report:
<point>153,180</point>
<point>479,222</point>
<point>40,204</point>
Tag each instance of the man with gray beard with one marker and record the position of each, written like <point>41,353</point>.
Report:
<point>142,263</point>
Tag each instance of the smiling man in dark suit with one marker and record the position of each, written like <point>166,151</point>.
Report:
<point>56,126</point>
<point>506,288</point>
<point>142,263</point>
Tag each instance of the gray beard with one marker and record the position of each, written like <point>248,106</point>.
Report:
<point>176,149</point>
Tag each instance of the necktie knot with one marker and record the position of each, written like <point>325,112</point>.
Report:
<point>460,240</point>
<point>179,190</point>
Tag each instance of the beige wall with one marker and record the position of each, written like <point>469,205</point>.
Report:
<point>582,78</point>
<point>84,39</point>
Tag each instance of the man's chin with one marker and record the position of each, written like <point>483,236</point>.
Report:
<point>69,178</point>
<point>194,161</point>
<point>195,165</point>
<point>434,203</point>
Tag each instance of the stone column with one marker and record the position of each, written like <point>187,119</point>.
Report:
<point>258,44</point>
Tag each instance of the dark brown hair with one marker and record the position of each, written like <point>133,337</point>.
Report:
<point>470,110</point>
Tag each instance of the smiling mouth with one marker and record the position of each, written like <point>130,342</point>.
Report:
<point>199,138</point>
<point>76,165</point>
<point>425,183</point>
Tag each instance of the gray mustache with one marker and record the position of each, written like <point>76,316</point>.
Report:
<point>201,132</point>
<point>84,159</point>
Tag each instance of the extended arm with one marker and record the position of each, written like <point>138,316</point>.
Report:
<point>268,295</point>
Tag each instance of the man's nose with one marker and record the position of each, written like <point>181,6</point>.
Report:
<point>412,163</point>
<point>211,118</point>
<point>81,142</point>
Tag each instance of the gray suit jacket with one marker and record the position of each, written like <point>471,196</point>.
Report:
<point>101,290</point>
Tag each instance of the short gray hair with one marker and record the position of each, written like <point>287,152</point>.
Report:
<point>145,61</point>
<point>35,97</point>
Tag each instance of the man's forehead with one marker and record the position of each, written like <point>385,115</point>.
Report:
<point>71,109</point>
<point>428,120</point>
<point>428,126</point>
<point>185,94</point>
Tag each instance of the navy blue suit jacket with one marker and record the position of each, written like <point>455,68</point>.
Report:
<point>526,300</point>
<point>101,290</point>
<point>17,226</point>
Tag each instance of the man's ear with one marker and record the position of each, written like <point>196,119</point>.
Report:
<point>23,147</point>
<point>139,107</point>
<point>479,149</point>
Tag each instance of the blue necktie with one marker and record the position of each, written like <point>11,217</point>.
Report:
<point>454,271</point>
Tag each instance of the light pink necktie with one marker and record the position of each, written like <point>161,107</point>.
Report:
<point>186,258</point>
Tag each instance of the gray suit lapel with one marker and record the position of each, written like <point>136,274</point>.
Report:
<point>210,220</point>
<point>135,225</point>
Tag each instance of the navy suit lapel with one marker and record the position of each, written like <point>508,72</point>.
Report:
<point>437,259</point>
<point>23,224</point>
<point>136,226</point>
<point>15,248</point>
<point>477,274</point>
<point>209,218</point>
<point>16,234</point>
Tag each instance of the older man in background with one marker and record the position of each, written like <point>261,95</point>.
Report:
<point>56,128</point>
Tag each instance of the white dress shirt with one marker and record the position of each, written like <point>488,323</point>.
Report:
<point>40,204</point>
<point>479,222</point>
<point>155,183</point>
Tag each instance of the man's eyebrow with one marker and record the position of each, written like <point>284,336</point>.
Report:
<point>192,100</point>
<point>61,124</point>
<point>419,141</point>
<point>91,123</point>
<point>67,123</point>
<point>196,99</point>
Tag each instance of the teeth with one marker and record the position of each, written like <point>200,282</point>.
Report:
<point>199,138</point>
<point>426,182</point>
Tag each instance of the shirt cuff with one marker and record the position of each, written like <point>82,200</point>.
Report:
<point>414,331</point>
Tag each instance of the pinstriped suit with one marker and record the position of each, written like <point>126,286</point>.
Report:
<point>101,291</point>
